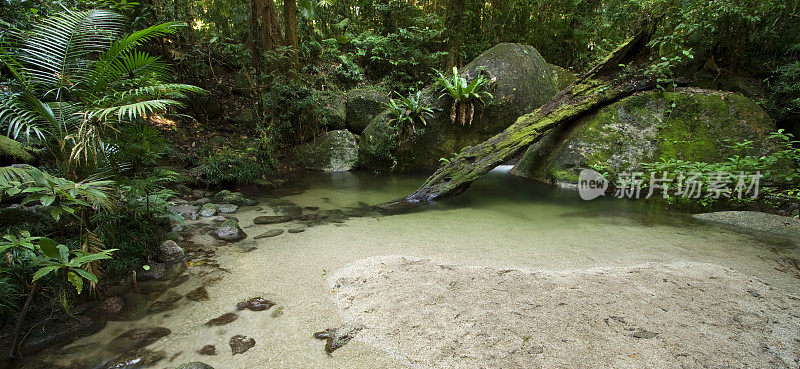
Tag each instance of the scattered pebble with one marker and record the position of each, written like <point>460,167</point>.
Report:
<point>222,319</point>
<point>240,344</point>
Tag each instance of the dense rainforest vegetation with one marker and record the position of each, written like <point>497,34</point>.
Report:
<point>112,108</point>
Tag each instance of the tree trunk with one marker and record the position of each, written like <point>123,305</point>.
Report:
<point>290,22</point>
<point>453,23</point>
<point>269,29</point>
<point>601,86</point>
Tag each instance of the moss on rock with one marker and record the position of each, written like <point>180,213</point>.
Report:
<point>332,151</point>
<point>14,149</point>
<point>523,81</point>
<point>362,105</point>
<point>689,124</point>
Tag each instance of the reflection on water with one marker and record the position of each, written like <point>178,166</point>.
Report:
<point>502,221</point>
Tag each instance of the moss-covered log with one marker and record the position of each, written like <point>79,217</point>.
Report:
<point>604,84</point>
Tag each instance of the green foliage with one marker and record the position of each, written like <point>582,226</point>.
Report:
<point>59,259</point>
<point>232,166</point>
<point>463,94</point>
<point>294,113</point>
<point>76,79</point>
<point>779,169</point>
<point>407,113</point>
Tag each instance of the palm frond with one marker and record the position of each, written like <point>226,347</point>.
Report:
<point>56,52</point>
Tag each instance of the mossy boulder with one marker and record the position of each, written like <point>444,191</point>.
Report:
<point>334,111</point>
<point>229,197</point>
<point>333,151</point>
<point>361,106</point>
<point>689,124</point>
<point>14,149</point>
<point>522,81</point>
<point>230,231</point>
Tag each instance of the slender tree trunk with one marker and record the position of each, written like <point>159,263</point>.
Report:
<point>20,319</point>
<point>256,52</point>
<point>453,24</point>
<point>290,23</point>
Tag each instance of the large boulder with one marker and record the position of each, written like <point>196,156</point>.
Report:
<point>333,151</point>
<point>689,124</point>
<point>523,81</point>
<point>362,106</point>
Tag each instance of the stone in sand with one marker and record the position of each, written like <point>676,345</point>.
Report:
<point>198,294</point>
<point>297,229</point>
<point>230,231</point>
<point>138,338</point>
<point>277,312</point>
<point>207,350</point>
<point>240,344</point>
<point>338,337</point>
<point>255,304</point>
<point>165,303</point>
<point>272,219</point>
<point>222,319</point>
<point>188,211</point>
<point>270,233</point>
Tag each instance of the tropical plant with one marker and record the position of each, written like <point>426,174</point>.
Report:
<point>407,112</point>
<point>76,80</point>
<point>463,94</point>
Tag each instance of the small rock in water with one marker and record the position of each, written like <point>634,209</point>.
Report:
<point>170,252</point>
<point>297,229</point>
<point>272,219</point>
<point>222,319</point>
<point>165,303</point>
<point>207,350</point>
<point>208,210</point>
<point>236,198</point>
<point>230,231</point>
<point>246,247</point>
<point>240,344</point>
<point>155,272</point>
<point>310,217</point>
<point>135,359</point>
<point>201,201</point>
<point>111,305</point>
<point>277,312</point>
<point>270,233</point>
<point>338,337</point>
<point>255,304</point>
<point>312,208</point>
<point>138,338</point>
<point>198,294</point>
<point>227,208</point>
<point>195,365</point>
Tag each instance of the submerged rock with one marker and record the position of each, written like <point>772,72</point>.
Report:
<point>270,233</point>
<point>235,198</point>
<point>338,337</point>
<point>333,151</point>
<point>690,124</point>
<point>138,338</point>
<point>195,365</point>
<point>240,344</point>
<point>170,252</point>
<point>198,294</point>
<point>165,303</point>
<point>272,219</point>
<point>297,229</point>
<point>111,305</point>
<point>255,304</point>
<point>523,81</point>
<point>222,319</point>
<point>141,358</point>
<point>207,350</point>
<point>230,231</point>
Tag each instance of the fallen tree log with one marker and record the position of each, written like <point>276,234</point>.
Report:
<point>618,76</point>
